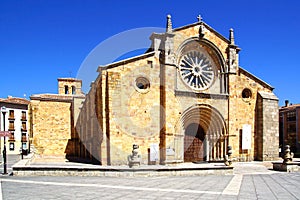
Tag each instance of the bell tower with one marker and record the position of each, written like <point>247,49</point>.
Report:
<point>69,86</point>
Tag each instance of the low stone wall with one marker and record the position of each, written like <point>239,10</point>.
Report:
<point>111,172</point>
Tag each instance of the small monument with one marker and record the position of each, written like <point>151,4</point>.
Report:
<point>228,160</point>
<point>287,165</point>
<point>134,160</point>
<point>287,155</point>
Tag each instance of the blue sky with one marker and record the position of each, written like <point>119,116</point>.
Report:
<point>41,40</point>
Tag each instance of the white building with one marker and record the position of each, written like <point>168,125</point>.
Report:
<point>16,121</point>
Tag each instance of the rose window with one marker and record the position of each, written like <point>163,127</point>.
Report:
<point>196,70</point>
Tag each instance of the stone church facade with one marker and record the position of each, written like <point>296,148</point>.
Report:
<point>185,100</point>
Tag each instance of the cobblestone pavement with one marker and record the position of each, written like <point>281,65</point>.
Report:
<point>250,181</point>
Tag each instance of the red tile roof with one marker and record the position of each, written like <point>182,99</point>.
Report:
<point>15,100</point>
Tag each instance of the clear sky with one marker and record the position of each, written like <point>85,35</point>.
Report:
<point>41,40</point>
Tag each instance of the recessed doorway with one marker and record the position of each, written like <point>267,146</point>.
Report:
<point>193,143</point>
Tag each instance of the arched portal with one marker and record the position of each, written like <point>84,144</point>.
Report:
<point>205,135</point>
<point>193,143</point>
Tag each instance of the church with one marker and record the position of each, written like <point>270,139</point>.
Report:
<point>186,99</point>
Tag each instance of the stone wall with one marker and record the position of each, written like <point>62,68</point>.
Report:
<point>150,111</point>
<point>242,111</point>
<point>51,126</point>
<point>117,113</point>
<point>87,134</point>
<point>267,127</point>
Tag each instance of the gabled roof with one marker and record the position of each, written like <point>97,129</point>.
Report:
<point>206,25</point>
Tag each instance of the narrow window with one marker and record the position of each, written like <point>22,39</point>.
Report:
<point>23,115</point>
<point>11,146</point>
<point>12,136</point>
<point>150,63</point>
<point>11,114</point>
<point>24,128</point>
<point>24,137</point>
<point>24,144</point>
<point>73,90</point>
<point>66,89</point>
<point>11,126</point>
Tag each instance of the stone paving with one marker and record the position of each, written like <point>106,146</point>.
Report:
<point>252,180</point>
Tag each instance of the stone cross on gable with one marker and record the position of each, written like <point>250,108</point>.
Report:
<point>199,18</point>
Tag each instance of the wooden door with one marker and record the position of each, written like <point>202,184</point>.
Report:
<point>193,143</point>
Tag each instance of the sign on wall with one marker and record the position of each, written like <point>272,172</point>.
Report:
<point>5,133</point>
<point>246,136</point>
<point>154,150</point>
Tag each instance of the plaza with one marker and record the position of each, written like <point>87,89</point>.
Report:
<point>250,180</point>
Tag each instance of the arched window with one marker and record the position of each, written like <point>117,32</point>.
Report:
<point>73,89</point>
<point>66,89</point>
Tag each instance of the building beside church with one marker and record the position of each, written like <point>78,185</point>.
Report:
<point>16,121</point>
<point>184,100</point>
<point>51,117</point>
<point>289,121</point>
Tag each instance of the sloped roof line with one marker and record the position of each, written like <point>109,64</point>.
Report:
<point>242,70</point>
<point>127,60</point>
<point>289,107</point>
<point>15,100</point>
<point>207,26</point>
<point>54,97</point>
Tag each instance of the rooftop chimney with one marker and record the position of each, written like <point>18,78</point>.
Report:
<point>286,103</point>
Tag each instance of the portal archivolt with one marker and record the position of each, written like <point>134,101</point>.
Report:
<point>205,137</point>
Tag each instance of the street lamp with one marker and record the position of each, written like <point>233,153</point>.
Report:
<point>3,110</point>
<point>21,149</point>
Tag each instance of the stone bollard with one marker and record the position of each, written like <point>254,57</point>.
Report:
<point>287,165</point>
<point>134,160</point>
<point>287,154</point>
<point>228,160</point>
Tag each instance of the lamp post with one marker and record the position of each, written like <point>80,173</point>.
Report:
<point>21,149</point>
<point>3,110</point>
